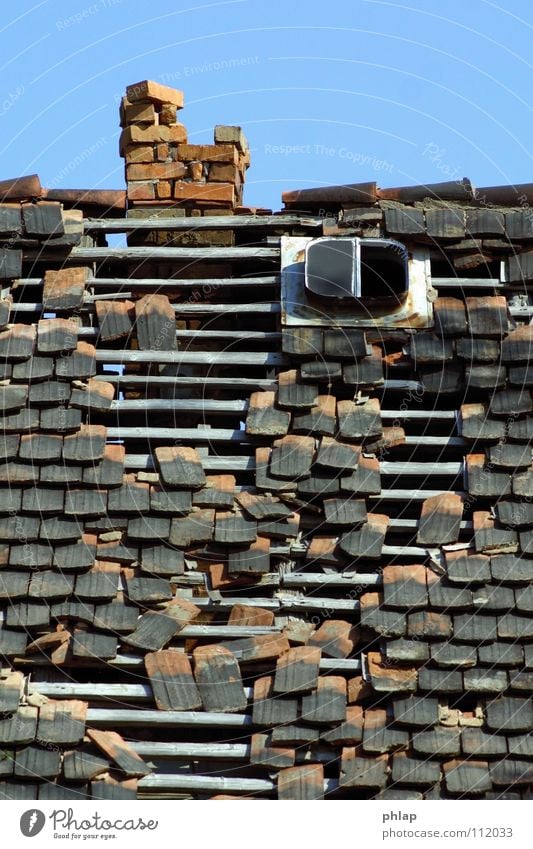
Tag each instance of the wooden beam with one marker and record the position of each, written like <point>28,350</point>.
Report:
<point>338,579</point>
<point>157,253</point>
<point>217,222</point>
<point>240,751</point>
<point>187,435</point>
<point>349,665</point>
<point>200,308</point>
<point>466,283</point>
<point>147,283</point>
<point>213,784</point>
<point>223,358</point>
<point>244,383</point>
<point>246,358</point>
<point>120,717</point>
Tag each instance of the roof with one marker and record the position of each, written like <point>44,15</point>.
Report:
<point>302,555</point>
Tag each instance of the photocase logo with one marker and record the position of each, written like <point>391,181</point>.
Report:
<point>32,822</point>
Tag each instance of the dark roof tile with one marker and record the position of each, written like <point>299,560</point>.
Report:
<point>263,418</point>
<point>172,681</point>
<point>64,289</point>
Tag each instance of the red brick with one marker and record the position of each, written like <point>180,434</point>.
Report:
<point>156,171</point>
<point>154,92</point>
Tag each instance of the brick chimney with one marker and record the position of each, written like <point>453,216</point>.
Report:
<point>163,170</point>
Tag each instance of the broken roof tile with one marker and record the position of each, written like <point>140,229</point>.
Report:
<point>10,264</point>
<point>359,421</point>
<point>365,480</point>
<point>20,727</point>
<point>360,770</point>
<point>293,393</point>
<point>180,466</point>
<point>254,559</point>
<point>319,420</point>
<point>196,527</point>
<point>488,316</point>
<point>387,623</point>
<point>345,511</point>
<point>62,722</point>
<point>263,418</point>
<point>490,538</point>
<point>266,754</point>
<point>365,372</point>
<point>430,348</point>
<point>262,506</point>
<point>485,222</point>
<point>155,323</point>
<point>114,319</point>
<point>234,528</point>
<point>217,492</point>
<point>148,528</point>
<point>337,455</point>
<point>292,457</point>
<point>153,632</point>
<point>263,478</point>
<point>43,218</point>
<point>409,770</point>
<point>405,586</point>
<point>80,364</point>
<point>297,671</point>
<point>218,678</point>
<point>301,782</point>
<point>446,379</point>
<point>36,762</point>
<point>86,446</point>
<point>343,344</point>
<point>335,638</point>
<point>262,647</point>
<point>327,703</point>
<point>445,223</point>
<point>270,709</point>
<point>55,335</point>
<point>12,397</point>
<point>483,480</point>
<point>405,221</point>
<point>367,541</point>
<point>94,645</point>
<point>440,519</point>
<point>172,681</point>
<point>120,752</point>
<point>64,289</point>
<point>475,423</point>
<point>95,395</point>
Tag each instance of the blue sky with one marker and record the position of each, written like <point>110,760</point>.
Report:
<point>395,92</point>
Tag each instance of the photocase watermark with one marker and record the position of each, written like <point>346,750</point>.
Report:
<point>11,99</point>
<point>32,822</point>
<point>65,824</point>
<point>78,160</point>
<point>228,64</point>
<point>86,13</point>
<point>437,155</point>
<point>355,156</point>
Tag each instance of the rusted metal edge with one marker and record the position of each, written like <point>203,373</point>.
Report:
<point>350,193</point>
<point>20,188</point>
<point>460,190</point>
<point>107,199</point>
